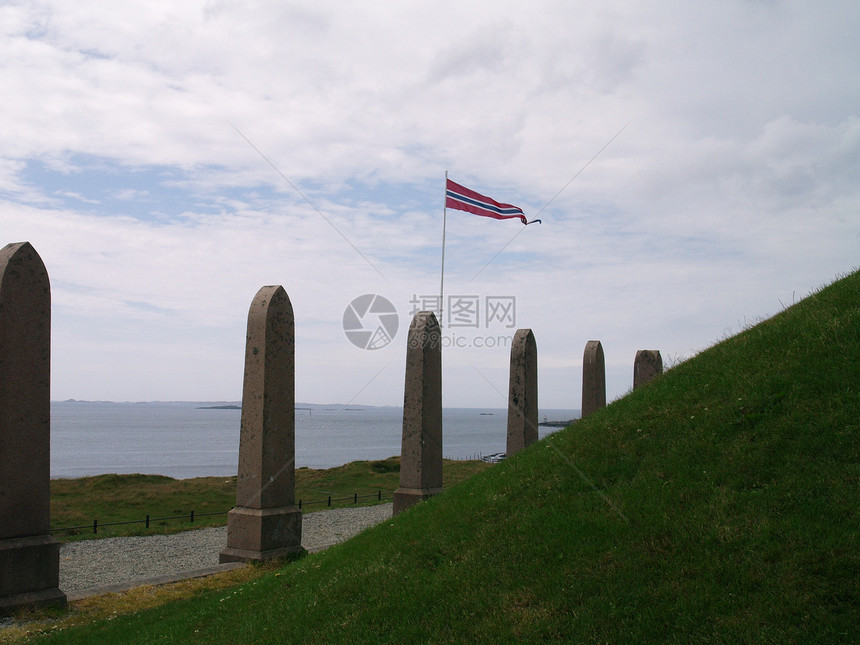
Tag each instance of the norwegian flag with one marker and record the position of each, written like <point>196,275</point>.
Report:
<point>462,198</point>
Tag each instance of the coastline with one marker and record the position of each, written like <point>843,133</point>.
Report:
<point>191,439</point>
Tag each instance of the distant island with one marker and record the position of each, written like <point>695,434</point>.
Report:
<point>309,408</point>
<point>556,424</point>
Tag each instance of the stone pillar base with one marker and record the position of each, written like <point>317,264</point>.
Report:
<point>32,600</point>
<point>241,555</point>
<point>29,573</point>
<point>407,497</point>
<point>256,534</point>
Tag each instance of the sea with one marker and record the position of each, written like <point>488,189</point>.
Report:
<point>201,439</point>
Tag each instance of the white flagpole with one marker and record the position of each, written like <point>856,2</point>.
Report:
<point>444,223</point>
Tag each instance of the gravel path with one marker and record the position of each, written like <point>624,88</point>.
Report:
<point>94,563</point>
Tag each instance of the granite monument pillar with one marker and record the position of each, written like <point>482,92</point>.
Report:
<point>647,366</point>
<point>522,393</point>
<point>265,523</point>
<point>421,448</point>
<point>29,555</point>
<point>593,378</point>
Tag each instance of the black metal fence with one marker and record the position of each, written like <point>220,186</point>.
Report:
<point>95,526</point>
<point>355,497</point>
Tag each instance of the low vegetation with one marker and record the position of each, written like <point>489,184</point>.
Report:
<point>718,503</point>
<point>115,499</point>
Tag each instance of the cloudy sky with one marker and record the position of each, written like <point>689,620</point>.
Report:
<point>695,166</point>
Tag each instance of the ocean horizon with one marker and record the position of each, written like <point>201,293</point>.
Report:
<point>184,439</point>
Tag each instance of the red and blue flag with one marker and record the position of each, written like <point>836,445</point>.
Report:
<point>464,199</point>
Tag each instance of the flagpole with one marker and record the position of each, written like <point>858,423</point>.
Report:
<point>444,223</point>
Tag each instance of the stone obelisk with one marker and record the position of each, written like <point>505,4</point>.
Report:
<point>522,393</point>
<point>647,366</point>
<point>265,523</point>
<point>29,555</point>
<point>421,448</point>
<point>593,378</point>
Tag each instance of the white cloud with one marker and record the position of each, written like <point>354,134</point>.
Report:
<point>732,187</point>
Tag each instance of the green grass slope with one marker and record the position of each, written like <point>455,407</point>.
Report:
<point>718,503</point>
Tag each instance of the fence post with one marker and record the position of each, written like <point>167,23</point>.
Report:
<point>192,516</point>
<point>378,495</point>
<point>147,521</point>
<point>329,500</point>
<point>95,526</point>
<point>355,501</point>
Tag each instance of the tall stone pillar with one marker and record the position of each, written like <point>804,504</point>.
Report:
<point>265,523</point>
<point>421,449</point>
<point>593,378</point>
<point>522,393</point>
<point>29,555</point>
<point>647,366</point>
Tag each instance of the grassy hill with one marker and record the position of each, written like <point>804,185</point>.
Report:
<point>719,503</point>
